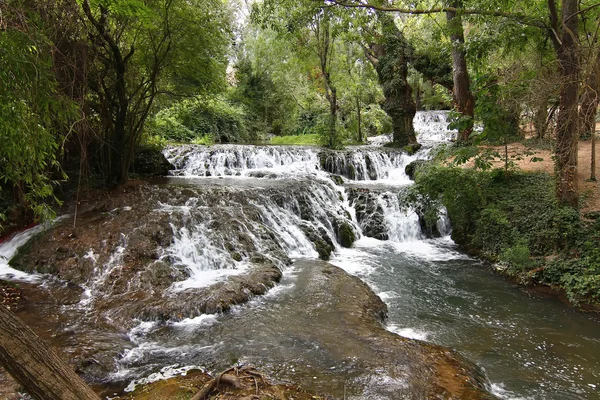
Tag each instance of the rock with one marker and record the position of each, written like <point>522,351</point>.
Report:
<point>413,167</point>
<point>320,239</point>
<point>150,161</point>
<point>345,233</point>
<point>413,369</point>
<point>337,179</point>
<point>369,213</point>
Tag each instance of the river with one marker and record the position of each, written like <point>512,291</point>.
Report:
<point>531,346</point>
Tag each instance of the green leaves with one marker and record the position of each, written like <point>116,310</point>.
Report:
<point>30,111</point>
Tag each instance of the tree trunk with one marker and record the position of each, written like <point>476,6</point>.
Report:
<point>567,133</point>
<point>390,61</point>
<point>590,99</point>
<point>359,119</point>
<point>540,118</point>
<point>593,161</point>
<point>332,117</point>
<point>461,91</point>
<point>34,366</point>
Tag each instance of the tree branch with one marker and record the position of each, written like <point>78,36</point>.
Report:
<point>523,19</point>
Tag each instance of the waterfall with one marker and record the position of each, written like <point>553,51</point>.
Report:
<point>9,248</point>
<point>359,164</point>
<point>432,127</point>
<point>402,224</point>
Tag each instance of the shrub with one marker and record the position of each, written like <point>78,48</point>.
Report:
<point>513,218</point>
<point>193,119</point>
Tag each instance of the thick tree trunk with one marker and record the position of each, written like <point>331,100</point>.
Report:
<point>567,132</point>
<point>461,91</point>
<point>34,366</point>
<point>390,61</point>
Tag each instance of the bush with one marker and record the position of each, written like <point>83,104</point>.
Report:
<point>514,218</point>
<point>517,256</point>
<point>192,120</point>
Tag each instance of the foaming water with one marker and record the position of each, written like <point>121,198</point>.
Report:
<point>234,206</point>
<point>10,247</point>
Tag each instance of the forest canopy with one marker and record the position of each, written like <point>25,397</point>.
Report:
<point>86,83</point>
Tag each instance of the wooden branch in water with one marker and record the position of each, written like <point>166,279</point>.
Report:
<point>43,374</point>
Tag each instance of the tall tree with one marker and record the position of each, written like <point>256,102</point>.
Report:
<point>389,56</point>
<point>323,39</point>
<point>136,45</point>
<point>461,91</point>
<point>566,43</point>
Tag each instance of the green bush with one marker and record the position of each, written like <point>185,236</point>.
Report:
<point>193,119</point>
<point>514,218</point>
<point>517,256</point>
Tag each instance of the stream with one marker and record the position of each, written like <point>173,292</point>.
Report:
<point>530,345</point>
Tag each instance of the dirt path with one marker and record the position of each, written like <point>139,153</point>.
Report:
<point>589,190</point>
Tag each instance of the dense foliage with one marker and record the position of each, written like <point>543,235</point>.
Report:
<point>32,115</point>
<point>201,120</point>
<point>516,219</point>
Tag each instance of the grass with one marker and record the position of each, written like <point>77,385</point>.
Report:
<point>311,139</point>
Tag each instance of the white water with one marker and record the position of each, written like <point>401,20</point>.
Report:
<point>9,248</point>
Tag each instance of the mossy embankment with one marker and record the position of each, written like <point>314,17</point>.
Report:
<point>513,219</point>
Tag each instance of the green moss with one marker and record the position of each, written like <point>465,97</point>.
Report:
<point>346,235</point>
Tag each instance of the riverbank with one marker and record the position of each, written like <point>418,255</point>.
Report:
<point>512,219</point>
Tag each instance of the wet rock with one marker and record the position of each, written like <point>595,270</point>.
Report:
<point>337,179</point>
<point>320,239</point>
<point>412,369</point>
<point>345,233</point>
<point>217,298</point>
<point>371,170</point>
<point>369,213</point>
<point>413,167</point>
<point>150,161</point>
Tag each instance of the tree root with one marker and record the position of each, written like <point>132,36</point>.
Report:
<point>233,377</point>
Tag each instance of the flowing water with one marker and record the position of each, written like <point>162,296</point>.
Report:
<point>273,200</point>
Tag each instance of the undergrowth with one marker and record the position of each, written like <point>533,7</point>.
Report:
<point>514,218</point>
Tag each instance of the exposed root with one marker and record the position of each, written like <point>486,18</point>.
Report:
<point>238,379</point>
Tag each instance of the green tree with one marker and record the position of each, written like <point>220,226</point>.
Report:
<point>142,49</point>
<point>32,114</point>
<point>389,55</point>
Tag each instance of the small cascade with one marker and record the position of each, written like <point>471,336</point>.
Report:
<point>9,248</point>
<point>402,224</point>
<point>214,239</point>
<point>101,277</point>
<point>361,164</point>
<point>239,160</point>
<point>432,127</point>
<point>367,164</point>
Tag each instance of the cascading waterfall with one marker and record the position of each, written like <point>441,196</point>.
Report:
<point>362,164</point>
<point>251,209</point>
<point>402,224</point>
